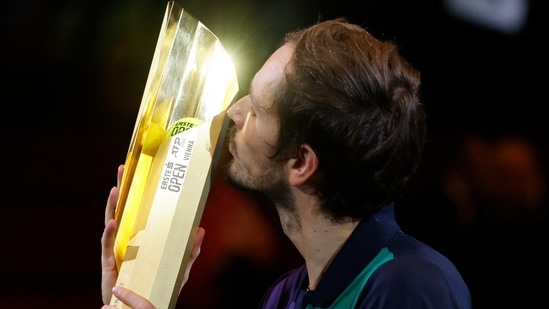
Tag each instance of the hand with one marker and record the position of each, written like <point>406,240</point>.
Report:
<point>109,272</point>
<point>130,299</point>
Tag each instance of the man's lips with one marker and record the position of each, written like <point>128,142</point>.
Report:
<point>232,147</point>
<point>230,140</point>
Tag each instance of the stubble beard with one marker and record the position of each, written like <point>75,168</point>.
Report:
<point>269,184</point>
<point>266,180</point>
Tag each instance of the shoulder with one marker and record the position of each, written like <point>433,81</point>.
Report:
<point>417,277</point>
<point>284,290</point>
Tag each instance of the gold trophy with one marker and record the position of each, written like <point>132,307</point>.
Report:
<point>175,146</point>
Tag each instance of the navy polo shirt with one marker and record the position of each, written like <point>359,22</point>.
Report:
<point>379,266</point>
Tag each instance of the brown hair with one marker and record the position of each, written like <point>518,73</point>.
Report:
<point>355,101</point>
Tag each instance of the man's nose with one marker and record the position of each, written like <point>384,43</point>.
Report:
<point>237,112</point>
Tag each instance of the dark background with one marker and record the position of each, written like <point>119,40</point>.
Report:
<point>73,77</point>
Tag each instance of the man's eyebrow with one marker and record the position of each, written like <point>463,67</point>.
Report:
<point>253,98</point>
<point>250,90</point>
<point>255,102</point>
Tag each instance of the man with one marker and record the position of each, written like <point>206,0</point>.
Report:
<point>330,132</point>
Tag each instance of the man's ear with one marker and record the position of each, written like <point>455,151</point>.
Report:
<point>303,167</point>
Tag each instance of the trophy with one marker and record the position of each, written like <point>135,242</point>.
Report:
<point>176,143</point>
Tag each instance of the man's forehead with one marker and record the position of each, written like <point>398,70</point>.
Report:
<point>267,80</point>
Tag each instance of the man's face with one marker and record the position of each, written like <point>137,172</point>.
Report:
<point>256,127</point>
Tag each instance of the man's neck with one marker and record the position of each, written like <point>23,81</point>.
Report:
<point>317,238</point>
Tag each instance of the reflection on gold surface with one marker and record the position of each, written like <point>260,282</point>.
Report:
<point>191,76</point>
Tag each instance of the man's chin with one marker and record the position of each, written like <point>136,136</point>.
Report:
<point>234,181</point>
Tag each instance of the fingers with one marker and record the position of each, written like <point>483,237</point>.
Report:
<point>131,298</point>
<point>119,175</point>
<point>109,272</point>
<point>111,204</point>
<point>195,252</point>
<point>198,243</point>
<point>113,196</point>
<point>107,240</point>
